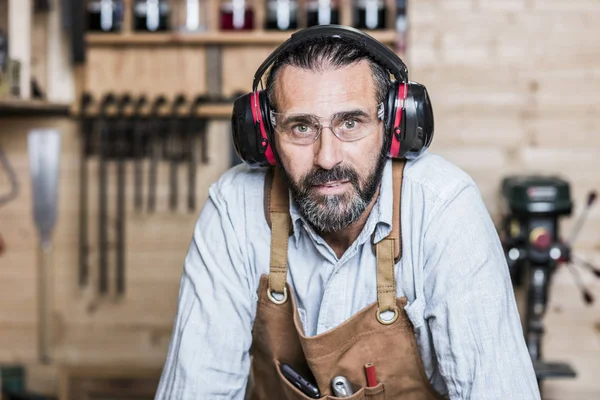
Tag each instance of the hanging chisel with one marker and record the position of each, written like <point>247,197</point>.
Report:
<point>156,131</point>
<point>204,134</point>
<point>86,132</point>
<point>121,141</point>
<point>174,152</point>
<point>105,122</point>
<point>138,149</point>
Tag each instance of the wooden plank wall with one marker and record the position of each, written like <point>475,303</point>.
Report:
<point>514,86</point>
<point>90,330</point>
<point>181,69</point>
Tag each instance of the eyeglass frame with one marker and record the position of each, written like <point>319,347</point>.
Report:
<point>380,116</point>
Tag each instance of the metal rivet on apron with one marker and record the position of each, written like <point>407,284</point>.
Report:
<point>274,300</point>
<point>387,321</point>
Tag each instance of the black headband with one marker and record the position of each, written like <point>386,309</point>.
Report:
<point>380,53</point>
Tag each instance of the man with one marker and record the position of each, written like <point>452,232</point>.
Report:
<point>426,297</point>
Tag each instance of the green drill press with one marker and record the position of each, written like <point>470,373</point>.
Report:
<point>532,207</point>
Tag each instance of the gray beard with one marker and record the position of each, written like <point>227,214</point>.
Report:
<point>332,213</point>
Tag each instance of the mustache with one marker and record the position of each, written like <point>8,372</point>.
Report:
<point>321,176</point>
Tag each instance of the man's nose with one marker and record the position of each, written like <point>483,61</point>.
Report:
<point>328,149</point>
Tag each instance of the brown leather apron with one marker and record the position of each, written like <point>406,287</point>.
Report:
<point>365,338</point>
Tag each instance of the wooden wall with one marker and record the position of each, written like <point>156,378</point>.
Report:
<point>514,87</point>
<point>89,330</point>
<point>182,69</point>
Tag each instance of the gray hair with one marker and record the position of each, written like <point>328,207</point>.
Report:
<point>319,54</point>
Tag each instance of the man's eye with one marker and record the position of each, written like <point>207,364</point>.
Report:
<point>350,124</point>
<point>301,129</point>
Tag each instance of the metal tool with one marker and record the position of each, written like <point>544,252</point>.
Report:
<point>174,149</point>
<point>121,153</point>
<point>341,387</point>
<point>44,167</point>
<point>138,150</point>
<point>12,178</point>
<point>156,130</point>
<point>86,127</point>
<point>103,150</point>
<point>591,199</point>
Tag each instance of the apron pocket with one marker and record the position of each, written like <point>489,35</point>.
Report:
<point>364,393</point>
<point>358,395</point>
<point>374,393</point>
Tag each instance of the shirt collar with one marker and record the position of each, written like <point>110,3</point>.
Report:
<point>379,221</point>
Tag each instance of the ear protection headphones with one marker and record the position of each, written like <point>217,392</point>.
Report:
<point>408,115</point>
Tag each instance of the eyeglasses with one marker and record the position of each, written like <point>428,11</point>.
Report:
<point>305,129</point>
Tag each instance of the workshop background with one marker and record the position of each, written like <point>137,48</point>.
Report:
<point>514,85</point>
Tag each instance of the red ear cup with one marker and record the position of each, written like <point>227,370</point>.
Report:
<point>261,119</point>
<point>250,129</point>
<point>419,119</point>
<point>396,122</point>
<point>410,122</point>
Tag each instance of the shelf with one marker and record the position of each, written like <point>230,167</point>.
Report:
<point>213,111</point>
<point>216,111</point>
<point>10,107</point>
<point>259,37</point>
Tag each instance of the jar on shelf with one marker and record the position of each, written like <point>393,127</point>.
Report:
<point>190,15</point>
<point>3,51</point>
<point>370,14</point>
<point>401,27</point>
<point>104,15</point>
<point>322,12</point>
<point>151,15</point>
<point>236,15</point>
<point>281,15</point>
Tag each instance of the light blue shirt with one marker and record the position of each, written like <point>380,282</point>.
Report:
<point>453,273</point>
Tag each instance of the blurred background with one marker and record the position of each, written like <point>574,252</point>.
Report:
<point>114,121</point>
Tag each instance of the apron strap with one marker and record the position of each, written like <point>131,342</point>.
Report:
<point>278,205</point>
<point>396,234</point>
<point>388,252</point>
<point>267,195</point>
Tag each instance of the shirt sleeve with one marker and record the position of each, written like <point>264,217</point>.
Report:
<point>471,308</point>
<point>208,356</point>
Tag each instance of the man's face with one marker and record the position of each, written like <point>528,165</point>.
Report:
<point>332,181</point>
